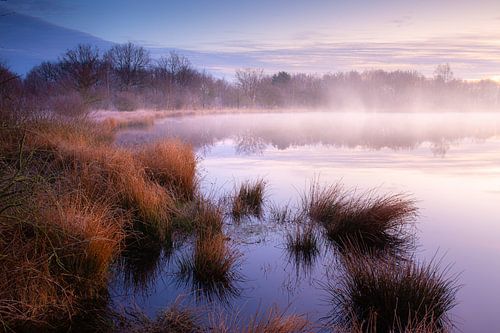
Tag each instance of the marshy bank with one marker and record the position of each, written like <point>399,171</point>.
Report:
<point>85,223</point>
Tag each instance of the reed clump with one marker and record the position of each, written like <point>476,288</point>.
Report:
<point>272,320</point>
<point>371,220</point>
<point>171,164</point>
<point>69,201</point>
<point>201,216</point>
<point>249,199</point>
<point>174,319</point>
<point>393,296</point>
<point>211,266</point>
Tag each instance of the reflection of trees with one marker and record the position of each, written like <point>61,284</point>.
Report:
<point>251,133</point>
<point>440,148</point>
<point>248,143</point>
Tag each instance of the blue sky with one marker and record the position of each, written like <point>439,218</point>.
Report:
<point>314,35</point>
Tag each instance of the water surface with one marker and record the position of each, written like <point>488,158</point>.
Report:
<point>449,162</point>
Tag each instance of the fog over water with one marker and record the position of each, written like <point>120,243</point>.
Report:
<point>449,162</point>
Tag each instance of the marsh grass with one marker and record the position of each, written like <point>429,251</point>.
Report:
<point>273,320</point>
<point>69,201</point>
<point>129,122</point>
<point>249,199</point>
<point>211,268</point>
<point>175,319</point>
<point>202,215</point>
<point>375,221</point>
<point>171,164</point>
<point>302,245</point>
<point>393,296</point>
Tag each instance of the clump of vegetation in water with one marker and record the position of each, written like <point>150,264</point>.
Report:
<point>211,266</point>
<point>249,199</point>
<point>271,320</point>
<point>174,319</point>
<point>371,220</point>
<point>302,244</point>
<point>392,296</point>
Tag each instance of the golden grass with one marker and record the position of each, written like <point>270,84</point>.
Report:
<point>271,321</point>
<point>249,199</point>
<point>171,164</point>
<point>211,266</point>
<point>370,220</point>
<point>71,199</point>
<point>128,122</point>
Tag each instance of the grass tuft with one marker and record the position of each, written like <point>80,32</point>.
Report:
<point>171,164</point>
<point>211,267</point>
<point>249,199</point>
<point>393,296</point>
<point>371,220</point>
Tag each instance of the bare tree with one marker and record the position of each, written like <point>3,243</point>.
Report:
<point>248,80</point>
<point>82,68</point>
<point>443,73</point>
<point>129,62</point>
<point>177,68</point>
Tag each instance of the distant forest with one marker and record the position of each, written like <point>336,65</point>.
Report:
<point>126,78</point>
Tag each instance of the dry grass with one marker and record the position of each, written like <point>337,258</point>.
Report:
<point>175,319</point>
<point>392,296</point>
<point>249,199</point>
<point>69,199</point>
<point>211,266</point>
<point>271,321</point>
<point>374,221</point>
<point>171,164</point>
<point>129,122</point>
<point>201,215</point>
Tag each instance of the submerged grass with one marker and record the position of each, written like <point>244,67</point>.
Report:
<point>249,199</point>
<point>375,221</point>
<point>393,296</point>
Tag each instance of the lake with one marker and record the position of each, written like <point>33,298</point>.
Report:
<point>448,162</point>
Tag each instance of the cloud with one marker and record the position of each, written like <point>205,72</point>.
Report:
<point>471,56</point>
<point>402,21</point>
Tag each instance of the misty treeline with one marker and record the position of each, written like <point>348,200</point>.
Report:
<point>125,77</point>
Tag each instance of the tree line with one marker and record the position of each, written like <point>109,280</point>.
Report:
<point>125,77</point>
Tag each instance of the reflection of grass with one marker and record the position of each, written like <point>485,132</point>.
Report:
<point>249,199</point>
<point>387,295</point>
<point>211,266</point>
<point>302,245</point>
<point>371,220</point>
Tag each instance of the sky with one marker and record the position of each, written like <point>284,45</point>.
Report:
<point>312,36</point>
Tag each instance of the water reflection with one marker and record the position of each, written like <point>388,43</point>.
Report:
<point>253,133</point>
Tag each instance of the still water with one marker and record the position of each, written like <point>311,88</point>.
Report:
<point>449,162</point>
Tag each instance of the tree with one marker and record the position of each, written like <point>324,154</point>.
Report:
<point>248,81</point>
<point>82,67</point>
<point>443,73</point>
<point>177,68</point>
<point>281,78</point>
<point>129,62</point>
